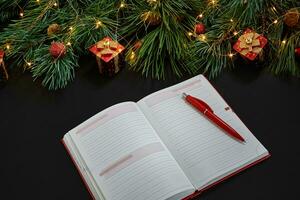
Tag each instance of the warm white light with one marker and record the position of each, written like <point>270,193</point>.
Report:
<point>7,46</point>
<point>275,21</point>
<point>203,37</point>
<point>98,24</point>
<point>29,64</point>
<point>235,33</point>
<point>200,16</point>
<point>122,5</point>
<point>283,41</point>
<point>230,55</point>
<point>231,20</point>
<point>132,56</point>
<point>69,44</point>
<point>190,33</point>
<point>21,14</point>
<point>55,4</point>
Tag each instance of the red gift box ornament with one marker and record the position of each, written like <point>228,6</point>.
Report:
<point>250,44</point>
<point>2,65</point>
<point>108,55</point>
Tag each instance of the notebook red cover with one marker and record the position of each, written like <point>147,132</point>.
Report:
<point>198,192</point>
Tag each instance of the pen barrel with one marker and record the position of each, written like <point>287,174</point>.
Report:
<point>195,103</point>
<point>223,125</point>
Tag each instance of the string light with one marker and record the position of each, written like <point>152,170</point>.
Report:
<point>202,37</point>
<point>69,44</point>
<point>98,24</point>
<point>38,1</point>
<point>275,21</point>
<point>21,14</point>
<point>230,55</point>
<point>122,5</point>
<point>200,16</point>
<point>71,28</point>
<point>190,33</point>
<point>231,20</point>
<point>55,4</point>
<point>29,64</point>
<point>283,41</point>
<point>132,56</point>
<point>7,46</point>
<point>235,33</point>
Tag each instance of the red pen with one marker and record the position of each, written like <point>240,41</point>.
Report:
<point>209,113</point>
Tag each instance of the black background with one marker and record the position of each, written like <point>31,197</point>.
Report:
<point>35,165</point>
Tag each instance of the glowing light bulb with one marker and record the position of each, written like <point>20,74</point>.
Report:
<point>69,44</point>
<point>231,20</point>
<point>275,21</point>
<point>29,64</point>
<point>190,33</point>
<point>203,37</point>
<point>235,33</point>
<point>122,5</point>
<point>132,56</point>
<point>283,41</point>
<point>230,55</point>
<point>98,24</point>
<point>55,4</point>
<point>21,14</point>
<point>200,16</point>
<point>7,46</point>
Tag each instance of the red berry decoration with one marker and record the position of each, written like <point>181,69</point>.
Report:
<point>57,49</point>
<point>199,28</point>
<point>297,52</point>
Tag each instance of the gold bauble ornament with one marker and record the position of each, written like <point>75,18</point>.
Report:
<point>291,18</point>
<point>53,29</point>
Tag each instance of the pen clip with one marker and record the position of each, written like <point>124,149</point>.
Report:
<point>204,104</point>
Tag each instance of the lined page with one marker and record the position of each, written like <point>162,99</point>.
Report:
<point>126,158</point>
<point>204,151</point>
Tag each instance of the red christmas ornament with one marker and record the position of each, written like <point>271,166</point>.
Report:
<point>199,28</point>
<point>297,52</point>
<point>57,49</point>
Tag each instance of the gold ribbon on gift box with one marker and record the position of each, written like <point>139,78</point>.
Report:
<point>249,42</point>
<point>107,48</point>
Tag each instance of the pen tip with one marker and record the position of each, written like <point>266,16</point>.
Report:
<point>184,95</point>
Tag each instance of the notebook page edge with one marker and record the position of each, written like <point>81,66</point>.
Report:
<point>94,192</point>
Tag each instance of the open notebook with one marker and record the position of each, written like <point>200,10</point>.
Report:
<point>160,147</point>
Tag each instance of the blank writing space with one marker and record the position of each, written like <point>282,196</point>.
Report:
<point>116,138</point>
<point>105,117</point>
<point>155,177</point>
<point>201,147</point>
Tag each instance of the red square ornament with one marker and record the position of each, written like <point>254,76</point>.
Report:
<point>250,44</point>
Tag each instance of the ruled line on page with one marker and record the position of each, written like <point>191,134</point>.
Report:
<point>109,115</point>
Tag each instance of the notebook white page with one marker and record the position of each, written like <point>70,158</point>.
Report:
<point>125,157</point>
<point>204,151</point>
